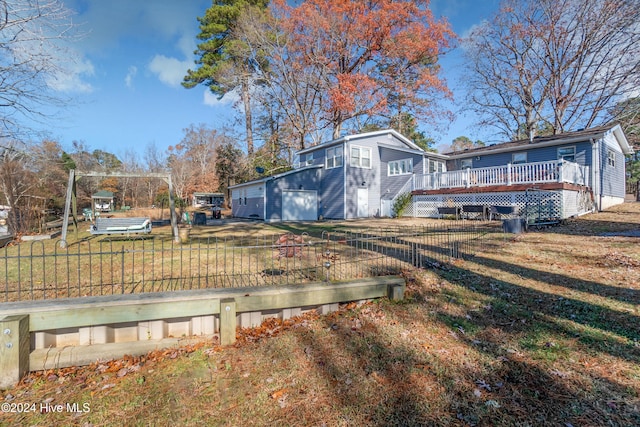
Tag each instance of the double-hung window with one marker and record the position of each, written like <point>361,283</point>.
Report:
<point>611,158</point>
<point>361,157</point>
<point>334,157</point>
<point>435,166</point>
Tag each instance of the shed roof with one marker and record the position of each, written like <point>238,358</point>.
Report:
<point>103,194</point>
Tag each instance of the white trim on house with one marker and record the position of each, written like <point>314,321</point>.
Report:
<point>360,149</point>
<point>548,142</point>
<point>348,138</point>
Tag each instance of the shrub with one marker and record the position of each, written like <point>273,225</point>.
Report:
<point>401,204</point>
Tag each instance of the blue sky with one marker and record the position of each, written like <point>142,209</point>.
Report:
<point>127,70</point>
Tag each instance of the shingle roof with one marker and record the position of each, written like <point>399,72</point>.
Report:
<point>586,134</point>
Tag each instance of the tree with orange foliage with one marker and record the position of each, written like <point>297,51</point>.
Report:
<point>367,58</point>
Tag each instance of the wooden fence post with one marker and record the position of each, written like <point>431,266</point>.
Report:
<point>14,349</point>
<point>227,321</point>
<point>395,291</point>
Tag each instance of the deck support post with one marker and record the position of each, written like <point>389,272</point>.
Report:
<point>14,349</point>
<point>228,322</point>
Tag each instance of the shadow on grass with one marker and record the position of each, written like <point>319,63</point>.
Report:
<point>627,295</point>
<point>400,384</point>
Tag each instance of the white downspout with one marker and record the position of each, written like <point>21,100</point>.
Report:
<point>264,201</point>
<point>344,180</point>
<point>595,173</point>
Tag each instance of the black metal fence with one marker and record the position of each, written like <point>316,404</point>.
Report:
<point>41,270</point>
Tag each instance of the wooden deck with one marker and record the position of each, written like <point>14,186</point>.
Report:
<point>504,188</point>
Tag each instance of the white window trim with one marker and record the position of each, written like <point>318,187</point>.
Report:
<point>408,167</point>
<point>334,157</point>
<point>562,156</point>
<point>438,166</point>
<point>513,158</point>
<point>611,158</point>
<point>469,165</point>
<point>360,157</point>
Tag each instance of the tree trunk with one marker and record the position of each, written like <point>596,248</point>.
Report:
<point>246,100</point>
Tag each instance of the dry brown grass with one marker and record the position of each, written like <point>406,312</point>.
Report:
<point>541,329</point>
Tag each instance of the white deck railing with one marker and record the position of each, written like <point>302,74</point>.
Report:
<point>526,173</point>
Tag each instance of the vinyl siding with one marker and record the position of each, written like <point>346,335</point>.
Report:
<point>305,179</point>
<point>390,185</point>
<point>356,176</point>
<point>331,195</point>
<point>541,154</point>
<point>248,201</point>
<point>613,177</point>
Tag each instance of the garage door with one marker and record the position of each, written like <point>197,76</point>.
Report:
<point>299,205</point>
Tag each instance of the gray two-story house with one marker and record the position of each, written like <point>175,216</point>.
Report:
<point>355,176</point>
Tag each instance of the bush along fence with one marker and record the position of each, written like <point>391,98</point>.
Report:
<point>40,270</point>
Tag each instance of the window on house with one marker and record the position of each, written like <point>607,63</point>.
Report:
<point>308,159</point>
<point>334,157</point>
<point>400,167</point>
<point>567,153</point>
<point>519,158</point>
<point>611,158</point>
<point>466,163</point>
<point>361,157</point>
<point>435,166</point>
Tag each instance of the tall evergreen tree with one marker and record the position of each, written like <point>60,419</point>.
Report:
<point>224,61</point>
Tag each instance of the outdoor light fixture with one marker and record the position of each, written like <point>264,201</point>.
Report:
<point>327,263</point>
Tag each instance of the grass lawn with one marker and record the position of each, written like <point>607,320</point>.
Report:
<point>541,329</point>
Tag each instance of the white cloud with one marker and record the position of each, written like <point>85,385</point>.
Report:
<point>210,99</point>
<point>128,80</point>
<point>187,45</point>
<point>170,71</point>
<point>70,79</point>
<point>110,22</point>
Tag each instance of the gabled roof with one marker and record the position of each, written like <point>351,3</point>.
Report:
<point>103,194</point>
<point>550,140</point>
<point>346,138</point>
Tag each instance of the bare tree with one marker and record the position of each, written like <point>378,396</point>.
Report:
<point>129,185</point>
<point>32,33</point>
<point>553,66</point>
<point>192,161</point>
<point>32,178</point>
<point>155,162</point>
<point>291,98</point>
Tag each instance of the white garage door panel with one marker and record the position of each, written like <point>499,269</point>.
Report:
<point>299,206</point>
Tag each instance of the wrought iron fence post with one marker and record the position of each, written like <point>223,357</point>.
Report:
<point>122,264</point>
